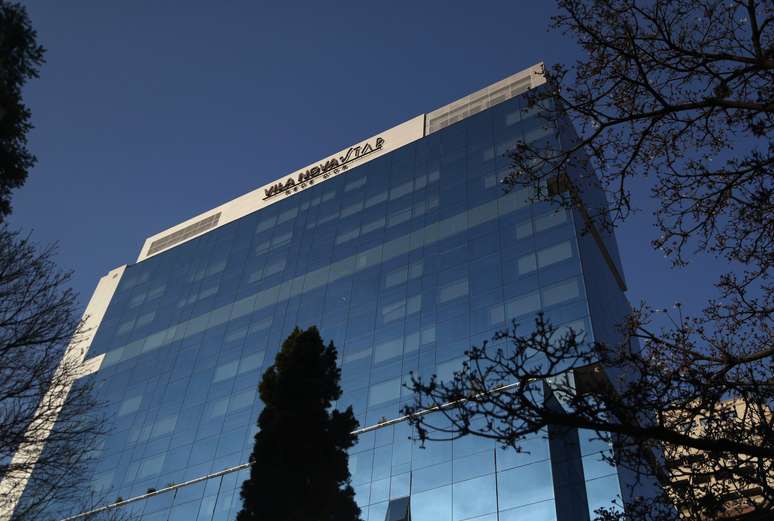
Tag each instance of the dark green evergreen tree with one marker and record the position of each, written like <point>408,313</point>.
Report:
<point>20,60</point>
<point>299,468</point>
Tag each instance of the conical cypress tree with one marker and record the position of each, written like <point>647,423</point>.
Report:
<point>299,466</point>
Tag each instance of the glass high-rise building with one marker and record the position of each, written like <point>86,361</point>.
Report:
<point>404,250</point>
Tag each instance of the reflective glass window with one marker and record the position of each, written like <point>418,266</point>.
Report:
<point>561,292</point>
<point>523,485</point>
<point>474,497</point>
<point>384,392</point>
<point>432,505</point>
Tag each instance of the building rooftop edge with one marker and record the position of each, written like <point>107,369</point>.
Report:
<point>344,160</point>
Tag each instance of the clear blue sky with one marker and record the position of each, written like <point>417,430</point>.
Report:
<point>148,113</point>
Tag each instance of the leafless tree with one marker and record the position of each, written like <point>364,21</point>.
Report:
<point>671,398</point>
<point>49,421</point>
<point>680,92</point>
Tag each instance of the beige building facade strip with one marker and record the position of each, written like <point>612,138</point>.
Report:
<point>345,160</point>
<point>13,484</point>
<point>482,99</point>
<point>303,178</point>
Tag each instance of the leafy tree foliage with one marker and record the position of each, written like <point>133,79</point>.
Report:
<point>299,466</point>
<point>20,58</point>
<point>680,92</point>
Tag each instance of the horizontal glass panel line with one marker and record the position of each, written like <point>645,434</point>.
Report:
<point>296,286</point>
<point>243,466</point>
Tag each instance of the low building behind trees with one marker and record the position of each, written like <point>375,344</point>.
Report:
<point>728,480</point>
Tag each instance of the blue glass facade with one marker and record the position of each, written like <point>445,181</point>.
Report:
<point>403,262</point>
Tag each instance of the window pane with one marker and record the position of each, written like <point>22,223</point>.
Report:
<point>401,190</point>
<point>453,290</point>
<point>399,217</point>
<point>400,485</point>
<point>433,505</point>
<point>387,350</point>
<point>130,405</point>
<point>446,370</point>
<point>602,491</point>
<point>380,490</point>
<point>398,276</point>
<point>543,511</point>
<point>527,264</point>
<point>523,305</point>
<point>473,466</point>
<point>377,511</point>
<point>226,371</point>
<point>554,254</point>
<point>549,220</point>
<point>431,477</point>
<point>533,449</point>
<point>474,497</point>
<point>524,485</point>
<point>251,362</point>
<point>351,209</point>
<point>561,292</point>
<point>151,466</point>
<point>578,326</point>
<point>357,183</point>
<point>348,235</point>
<point>373,225</point>
<point>384,392</point>
<point>524,230</point>
<point>287,215</point>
